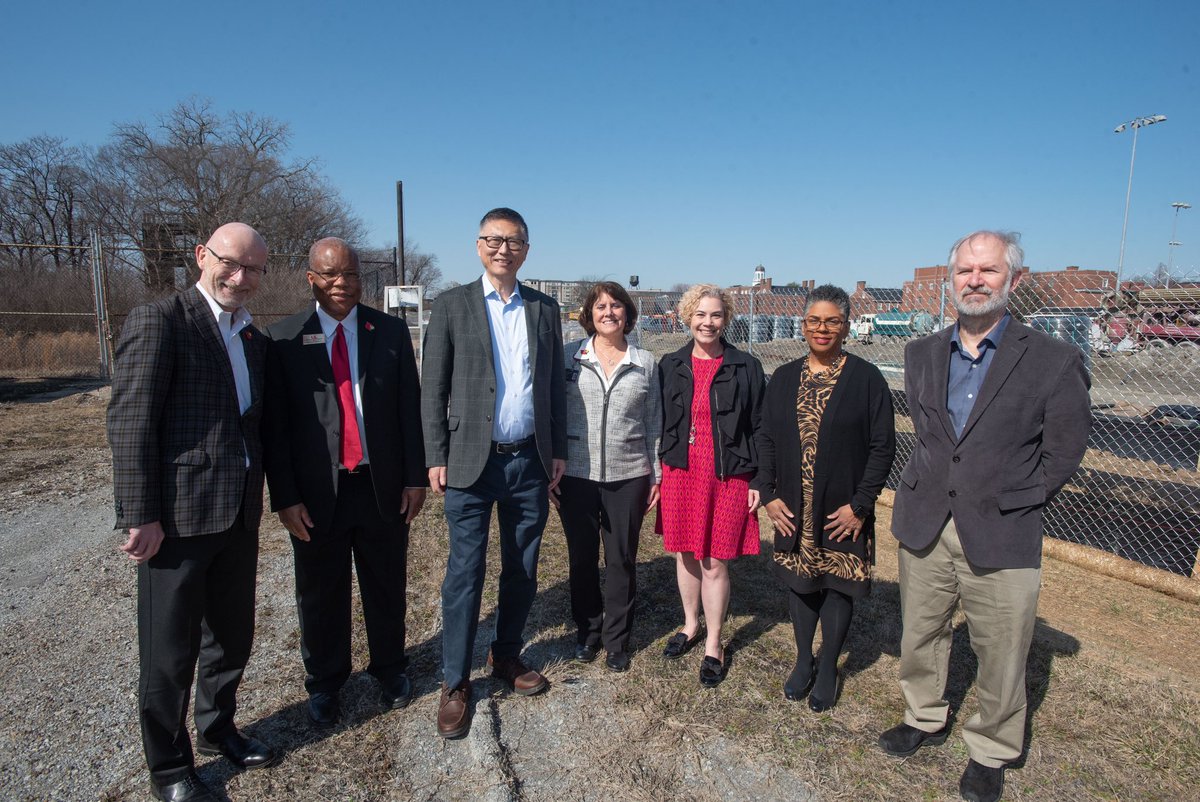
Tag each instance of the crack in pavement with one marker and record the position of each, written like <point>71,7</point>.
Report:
<point>504,755</point>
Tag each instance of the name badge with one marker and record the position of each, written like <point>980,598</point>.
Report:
<point>314,339</point>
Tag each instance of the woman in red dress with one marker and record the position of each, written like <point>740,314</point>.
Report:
<point>712,396</point>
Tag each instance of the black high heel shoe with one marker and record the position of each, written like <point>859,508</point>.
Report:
<point>792,689</point>
<point>818,705</point>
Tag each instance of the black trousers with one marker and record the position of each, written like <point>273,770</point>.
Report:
<point>195,602</point>
<point>380,553</point>
<point>612,511</point>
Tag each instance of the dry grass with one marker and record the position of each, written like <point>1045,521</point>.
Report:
<point>1114,676</point>
<point>69,353</point>
<point>1114,689</point>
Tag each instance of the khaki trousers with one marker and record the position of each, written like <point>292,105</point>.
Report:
<point>1000,606</point>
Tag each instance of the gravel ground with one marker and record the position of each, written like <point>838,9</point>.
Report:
<point>68,655</point>
<point>1114,711</point>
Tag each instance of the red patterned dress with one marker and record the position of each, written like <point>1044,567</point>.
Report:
<point>697,512</point>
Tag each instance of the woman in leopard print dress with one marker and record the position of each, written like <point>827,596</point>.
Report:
<point>825,446</point>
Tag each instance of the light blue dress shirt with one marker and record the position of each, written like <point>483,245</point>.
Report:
<point>513,418</point>
<point>968,372</point>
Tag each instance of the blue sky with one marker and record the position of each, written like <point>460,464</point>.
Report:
<point>691,141</point>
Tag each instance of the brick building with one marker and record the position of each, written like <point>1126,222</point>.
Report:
<point>1070,288</point>
<point>769,299</point>
<point>873,300</point>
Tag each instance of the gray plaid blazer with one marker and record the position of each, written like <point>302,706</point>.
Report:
<point>173,422</point>
<point>458,382</point>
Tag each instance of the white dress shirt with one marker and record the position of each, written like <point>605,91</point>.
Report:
<point>230,325</point>
<point>350,332</point>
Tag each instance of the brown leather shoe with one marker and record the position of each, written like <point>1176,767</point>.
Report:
<point>454,711</point>
<point>523,679</point>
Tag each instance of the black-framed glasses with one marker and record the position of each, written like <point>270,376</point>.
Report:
<point>514,244</point>
<point>828,323</point>
<point>234,267</point>
<point>329,277</point>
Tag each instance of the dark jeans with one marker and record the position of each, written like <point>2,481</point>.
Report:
<point>516,485</point>
<point>380,553</point>
<point>612,511</point>
<point>195,601</point>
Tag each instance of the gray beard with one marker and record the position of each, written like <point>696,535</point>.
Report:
<point>996,303</point>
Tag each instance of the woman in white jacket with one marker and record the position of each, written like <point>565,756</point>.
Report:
<point>614,421</point>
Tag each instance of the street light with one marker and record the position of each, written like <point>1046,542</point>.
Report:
<point>1135,124</point>
<point>1178,206</point>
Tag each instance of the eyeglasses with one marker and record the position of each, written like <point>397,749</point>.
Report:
<point>514,244</point>
<point>233,267</point>
<point>351,276</point>
<point>830,323</point>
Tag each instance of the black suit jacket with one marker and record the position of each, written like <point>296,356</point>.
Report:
<point>302,430</point>
<point>178,438</point>
<point>1025,436</point>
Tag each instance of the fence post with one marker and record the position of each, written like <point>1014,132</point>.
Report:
<point>101,306</point>
<point>750,326</point>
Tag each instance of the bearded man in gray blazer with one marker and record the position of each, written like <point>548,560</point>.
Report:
<point>493,407</point>
<point>1002,416</point>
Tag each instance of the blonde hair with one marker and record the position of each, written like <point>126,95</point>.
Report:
<point>698,292</point>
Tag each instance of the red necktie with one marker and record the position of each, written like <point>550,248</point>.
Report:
<point>351,445</point>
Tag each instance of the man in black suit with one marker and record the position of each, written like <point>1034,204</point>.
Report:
<point>183,424</point>
<point>1002,416</point>
<point>494,414</point>
<point>346,468</point>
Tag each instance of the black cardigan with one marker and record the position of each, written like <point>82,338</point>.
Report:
<point>855,447</point>
<point>735,401</point>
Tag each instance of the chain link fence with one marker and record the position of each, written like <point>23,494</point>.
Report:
<point>63,310</point>
<point>1137,494</point>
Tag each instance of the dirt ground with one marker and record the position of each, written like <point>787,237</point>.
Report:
<point>1114,676</point>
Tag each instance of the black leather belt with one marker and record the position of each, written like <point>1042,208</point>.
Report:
<point>513,447</point>
<point>359,469</point>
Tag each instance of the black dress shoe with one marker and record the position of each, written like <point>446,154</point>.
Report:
<point>819,704</point>
<point>712,672</point>
<point>981,783</point>
<point>323,709</point>
<point>585,653</point>
<point>189,789</point>
<point>617,661</point>
<point>397,692</point>
<point>795,689</point>
<point>242,751</point>
<point>902,740</point>
<point>680,644</point>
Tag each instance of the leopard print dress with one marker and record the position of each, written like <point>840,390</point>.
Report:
<point>810,567</point>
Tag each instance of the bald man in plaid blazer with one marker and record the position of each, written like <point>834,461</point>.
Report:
<point>183,424</point>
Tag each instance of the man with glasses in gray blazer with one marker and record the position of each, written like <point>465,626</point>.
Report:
<point>493,409</point>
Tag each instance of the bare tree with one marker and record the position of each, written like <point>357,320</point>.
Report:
<point>43,190</point>
<point>419,267</point>
<point>166,186</point>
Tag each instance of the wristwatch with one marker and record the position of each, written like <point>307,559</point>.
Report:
<point>859,511</point>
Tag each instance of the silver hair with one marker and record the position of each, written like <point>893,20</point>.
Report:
<point>1014,254</point>
<point>830,293</point>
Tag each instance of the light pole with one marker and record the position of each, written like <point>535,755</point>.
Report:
<point>1135,124</point>
<point>1178,206</point>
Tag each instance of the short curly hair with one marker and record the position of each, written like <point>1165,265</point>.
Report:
<point>614,291</point>
<point>698,292</point>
